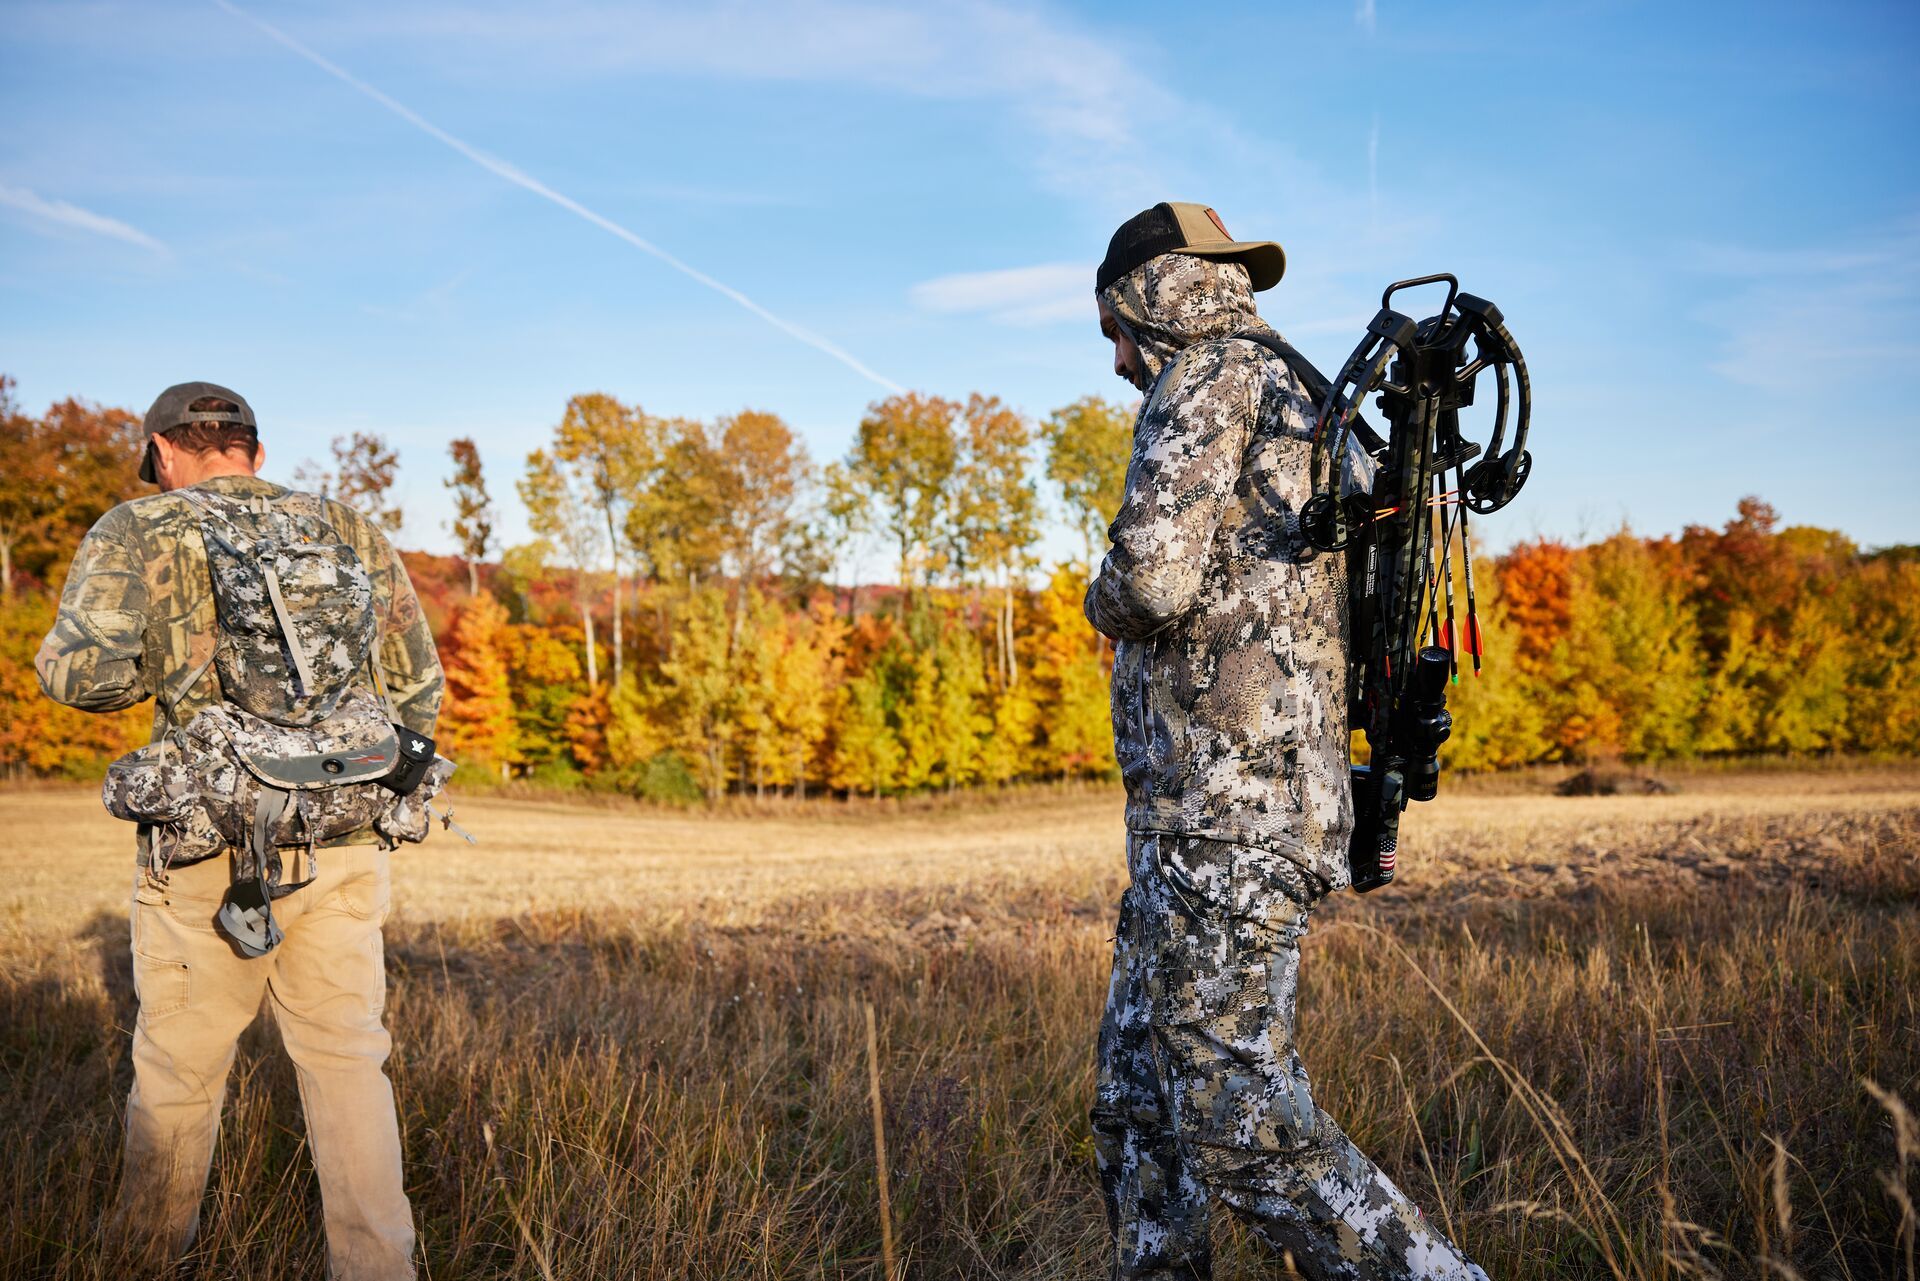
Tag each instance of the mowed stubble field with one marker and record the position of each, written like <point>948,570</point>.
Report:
<point>1638,1036</point>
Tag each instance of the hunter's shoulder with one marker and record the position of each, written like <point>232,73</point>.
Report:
<point>360,531</point>
<point>1234,360</point>
<point>1216,372</point>
<point>147,514</point>
<point>349,522</point>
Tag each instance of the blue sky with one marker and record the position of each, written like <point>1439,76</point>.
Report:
<point>1702,220</point>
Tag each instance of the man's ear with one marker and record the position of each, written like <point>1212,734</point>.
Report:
<point>163,454</point>
<point>259,456</point>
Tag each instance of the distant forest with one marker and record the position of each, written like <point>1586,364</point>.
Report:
<point>678,630</point>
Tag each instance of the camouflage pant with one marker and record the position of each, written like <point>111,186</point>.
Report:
<point>1202,1093</point>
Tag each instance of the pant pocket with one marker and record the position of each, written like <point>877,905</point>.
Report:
<point>1234,1077</point>
<point>368,895</point>
<point>163,983</point>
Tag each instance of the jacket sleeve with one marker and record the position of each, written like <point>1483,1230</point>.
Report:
<point>1187,452</point>
<point>93,659</point>
<point>409,663</point>
<point>408,657</point>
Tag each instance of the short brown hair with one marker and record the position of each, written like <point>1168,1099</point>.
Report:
<point>213,438</point>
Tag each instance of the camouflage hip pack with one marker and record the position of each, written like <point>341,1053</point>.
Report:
<point>229,780</point>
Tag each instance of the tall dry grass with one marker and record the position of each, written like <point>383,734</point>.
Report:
<point>1649,1038</point>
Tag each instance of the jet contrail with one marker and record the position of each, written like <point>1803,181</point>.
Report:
<point>59,211</point>
<point>502,169</point>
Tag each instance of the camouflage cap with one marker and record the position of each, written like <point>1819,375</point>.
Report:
<point>171,411</point>
<point>1179,227</point>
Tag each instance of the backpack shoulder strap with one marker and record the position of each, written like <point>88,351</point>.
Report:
<point>1316,383</point>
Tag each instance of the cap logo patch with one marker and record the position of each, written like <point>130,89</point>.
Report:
<point>1214,218</point>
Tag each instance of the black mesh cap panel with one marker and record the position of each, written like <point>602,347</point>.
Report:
<point>1142,237</point>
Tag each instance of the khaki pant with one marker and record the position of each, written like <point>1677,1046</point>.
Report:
<point>327,985</point>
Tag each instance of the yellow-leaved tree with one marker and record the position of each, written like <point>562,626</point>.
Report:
<point>866,756</point>
<point>1070,669</point>
<point>698,698</point>
<point>1631,673</point>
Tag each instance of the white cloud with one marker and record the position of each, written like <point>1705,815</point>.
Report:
<point>1818,323</point>
<point>1364,15</point>
<point>1078,94</point>
<point>63,214</point>
<point>1047,293</point>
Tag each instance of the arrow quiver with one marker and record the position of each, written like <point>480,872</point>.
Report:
<point>1399,537</point>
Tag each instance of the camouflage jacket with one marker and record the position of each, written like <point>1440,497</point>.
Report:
<point>1229,681</point>
<point>137,621</point>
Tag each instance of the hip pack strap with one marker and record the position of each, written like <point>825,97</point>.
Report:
<point>265,854</point>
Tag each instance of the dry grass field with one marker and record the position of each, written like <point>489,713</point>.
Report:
<point>1641,1037</point>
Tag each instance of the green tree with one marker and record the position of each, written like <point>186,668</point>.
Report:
<point>545,673</point>
<point>1498,719</point>
<point>996,514</point>
<point>866,753</point>
<point>1088,446</point>
<point>1807,708</point>
<point>699,695</point>
<point>792,663</point>
<point>472,508</point>
<point>609,447</point>
<point>558,510</point>
<point>1884,686</point>
<point>901,464</point>
<point>679,518</point>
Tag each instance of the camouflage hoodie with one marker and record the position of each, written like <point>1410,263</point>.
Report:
<point>1229,685</point>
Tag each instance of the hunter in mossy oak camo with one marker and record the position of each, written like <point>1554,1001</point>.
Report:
<point>295,687</point>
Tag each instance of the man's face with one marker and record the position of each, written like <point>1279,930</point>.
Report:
<point>1126,353</point>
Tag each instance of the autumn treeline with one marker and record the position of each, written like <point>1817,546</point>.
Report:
<point>680,628</point>
<point>683,626</point>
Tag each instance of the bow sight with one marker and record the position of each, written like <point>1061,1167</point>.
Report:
<point>1402,652</point>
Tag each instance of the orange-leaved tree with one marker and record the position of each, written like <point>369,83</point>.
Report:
<point>37,735</point>
<point>477,718</point>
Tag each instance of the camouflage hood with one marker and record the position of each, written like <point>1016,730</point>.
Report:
<point>1169,303</point>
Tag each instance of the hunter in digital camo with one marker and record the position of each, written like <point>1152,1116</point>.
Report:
<point>1229,714</point>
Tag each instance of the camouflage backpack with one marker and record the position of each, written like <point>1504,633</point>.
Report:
<point>300,750</point>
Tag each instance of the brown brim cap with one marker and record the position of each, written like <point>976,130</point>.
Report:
<point>171,411</point>
<point>1179,227</point>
